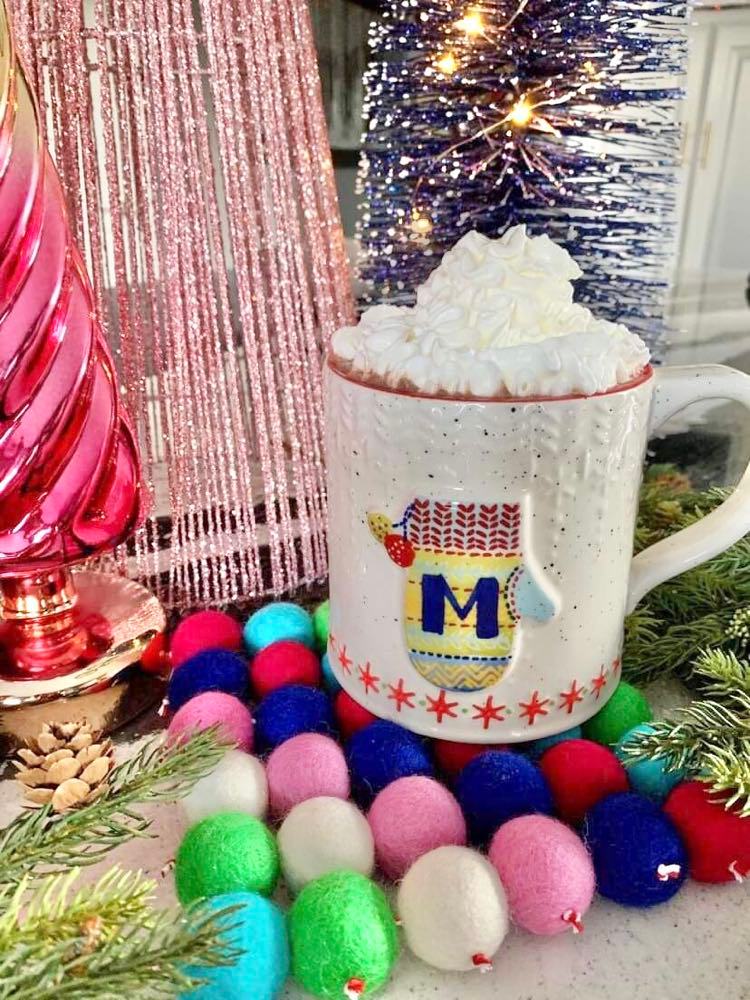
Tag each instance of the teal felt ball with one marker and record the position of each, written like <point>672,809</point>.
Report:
<point>343,936</point>
<point>256,929</point>
<point>226,852</point>
<point>275,622</point>
<point>536,748</point>
<point>330,680</point>
<point>648,777</point>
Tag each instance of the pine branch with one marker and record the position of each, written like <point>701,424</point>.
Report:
<point>667,650</point>
<point>147,958</point>
<point>54,912</point>
<point>708,740</point>
<point>721,674</point>
<point>54,843</point>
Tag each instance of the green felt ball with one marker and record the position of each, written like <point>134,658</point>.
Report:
<point>321,617</point>
<point>626,708</point>
<point>226,852</point>
<point>342,930</point>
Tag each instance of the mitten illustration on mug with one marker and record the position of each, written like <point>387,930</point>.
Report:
<point>467,588</point>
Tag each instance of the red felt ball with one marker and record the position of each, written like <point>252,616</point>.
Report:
<point>717,841</point>
<point>579,774</point>
<point>453,757</point>
<point>155,657</point>
<point>204,630</point>
<point>350,715</point>
<point>282,663</point>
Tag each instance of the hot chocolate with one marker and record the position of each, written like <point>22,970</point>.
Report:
<point>495,318</point>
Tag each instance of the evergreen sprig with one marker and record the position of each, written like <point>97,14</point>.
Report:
<point>695,627</point>
<point>708,740</point>
<point>40,842</point>
<point>60,939</point>
<point>145,955</point>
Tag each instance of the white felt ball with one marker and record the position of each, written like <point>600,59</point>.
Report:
<point>322,835</point>
<point>453,909</point>
<point>237,784</point>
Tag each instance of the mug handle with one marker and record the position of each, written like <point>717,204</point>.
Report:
<point>676,387</point>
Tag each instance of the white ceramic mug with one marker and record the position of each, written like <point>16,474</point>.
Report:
<point>481,551</point>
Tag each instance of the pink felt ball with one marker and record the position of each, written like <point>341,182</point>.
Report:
<point>305,767</point>
<point>214,708</point>
<point>283,663</point>
<point>546,872</point>
<point>204,630</point>
<point>410,817</point>
<point>350,715</point>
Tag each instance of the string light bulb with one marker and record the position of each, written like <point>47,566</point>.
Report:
<point>521,113</point>
<point>471,23</point>
<point>447,63</point>
<point>421,225</point>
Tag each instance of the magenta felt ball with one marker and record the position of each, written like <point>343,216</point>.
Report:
<point>546,871</point>
<point>305,767</point>
<point>410,817</point>
<point>204,630</point>
<point>214,708</point>
<point>283,663</point>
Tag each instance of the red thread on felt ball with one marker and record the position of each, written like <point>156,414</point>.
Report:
<point>214,708</point>
<point>305,767</point>
<point>204,630</point>
<point>283,663</point>
<point>350,715</point>
<point>453,757</point>
<point>410,817</point>
<point>579,774</point>
<point>546,872</point>
<point>717,841</point>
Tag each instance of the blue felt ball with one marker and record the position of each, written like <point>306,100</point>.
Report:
<point>289,711</point>
<point>382,752</point>
<point>536,748</point>
<point>497,786</point>
<point>274,622</point>
<point>330,680</point>
<point>638,856</point>
<point>647,777</point>
<point>257,929</point>
<point>210,670</point>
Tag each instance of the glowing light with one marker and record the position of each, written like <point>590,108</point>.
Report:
<point>421,224</point>
<point>471,23</point>
<point>521,113</point>
<point>447,63</point>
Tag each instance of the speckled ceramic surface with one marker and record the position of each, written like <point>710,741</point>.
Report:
<point>480,551</point>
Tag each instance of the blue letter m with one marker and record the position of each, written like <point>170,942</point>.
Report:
<point>485,595</point>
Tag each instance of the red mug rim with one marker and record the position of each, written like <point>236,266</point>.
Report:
<point>643,376</point>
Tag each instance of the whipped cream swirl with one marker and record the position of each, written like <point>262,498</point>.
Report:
<point>495,318</point>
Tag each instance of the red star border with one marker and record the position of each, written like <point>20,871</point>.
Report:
<point>400,696</point>
<point>368,678</point>
<point>569,698</point>
<point>489,713</point>
<point>598,683</point>
<point>533,708</point>
<point>616,664</point>
<point>345,661</point>
<point>442,707</point>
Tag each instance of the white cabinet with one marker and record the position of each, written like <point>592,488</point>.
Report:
<point>714,202</point>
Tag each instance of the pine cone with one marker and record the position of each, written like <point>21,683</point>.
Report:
<point>65,765</point>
